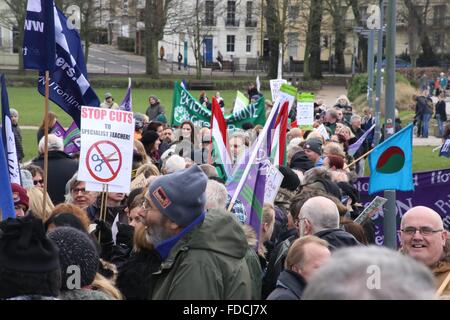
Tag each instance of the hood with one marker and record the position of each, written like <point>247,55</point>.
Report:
<point>337,238</point>
<point>301,162</point>
<point>221,233</point>
<point>292,280</point>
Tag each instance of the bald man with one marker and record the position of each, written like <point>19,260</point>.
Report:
<point>424,238</point>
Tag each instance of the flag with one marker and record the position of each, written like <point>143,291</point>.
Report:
<point>6,199</point>
<point>219,139</point>
<point>183,84</point>
<point>445,149</point>
<point>241,102</point>
<point>9,143</point>
<point>58,130</point>
<point>391,163</point>
<point>355,146</point>
<point>277,136</point>
<point>39,36</point>
<point>127,102</point>
<point>69,87</point>
<point>72,139</point>
<point>258,84</point>
<point>252,192</point>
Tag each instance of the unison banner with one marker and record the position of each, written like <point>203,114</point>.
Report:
<point>432,189</point>
<point>187,108</point>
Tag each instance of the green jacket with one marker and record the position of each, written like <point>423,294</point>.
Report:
<point>206,263</point>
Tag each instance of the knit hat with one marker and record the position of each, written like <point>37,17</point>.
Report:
<point>314,145</point>
<point>20,195</point>
<point>24,247</point>
<point>161,118</point>
<point>301,162</point>
<point>290,180</point>
<point>108,95</point>
<point>75,249</point>
<point>13,112</point>
<point>180,195</point>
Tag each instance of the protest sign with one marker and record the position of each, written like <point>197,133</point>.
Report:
<point>187,108</point>
<point>305,110</point>
<point>106,147</point>
<point>323,132</point>
<point>274,178</point>
<point>275,86</point>
<point>368,212</point>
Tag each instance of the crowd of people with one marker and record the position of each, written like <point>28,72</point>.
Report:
<point>172,237</point>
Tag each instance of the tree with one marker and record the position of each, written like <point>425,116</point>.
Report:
<point>156,14</point>
<point>362,41</point>
<point>338,10</point>
<point>18,11</point>
<point>312,67</point>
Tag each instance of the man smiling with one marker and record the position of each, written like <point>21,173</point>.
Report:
<point>424,238</point>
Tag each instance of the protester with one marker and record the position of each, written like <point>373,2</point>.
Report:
<point>51,119</point>
<point>429,246</point>
<point>154,109</point>
<point>305,256</point>
<point>109,102</point>
<point>17,133</point>
<point>68,215</point>
<point>29,261</point>
<point>37,175</point>
<point>168,136</point>
<point>77,194</point>
<point>36,199</point>
<point>150,140</point>
<point>370,273</point>
<point>313,150</point>
<point>60,167</point>
<point>209,267</point>
<point>441,114</point>
<point>20,198</point>
<point>237,145</point>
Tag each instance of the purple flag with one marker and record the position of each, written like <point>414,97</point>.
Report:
<point>58,130</point>
<point>72,139</point>
<point>354,147</point>
<point>127,103</point>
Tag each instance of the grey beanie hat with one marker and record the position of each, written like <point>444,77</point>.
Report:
<point>75,249</point>
<point>314,145</point>
<point>180,195</point>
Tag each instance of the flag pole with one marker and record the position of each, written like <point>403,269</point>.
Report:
<point>356,160</point>
<point>46,124</point>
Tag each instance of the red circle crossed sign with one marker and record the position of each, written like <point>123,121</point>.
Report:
<point>103,161</point>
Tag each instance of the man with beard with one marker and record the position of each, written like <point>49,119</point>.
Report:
<point>429,246</point>
<point>203,254</point>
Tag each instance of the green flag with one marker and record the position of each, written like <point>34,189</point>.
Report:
<point>187,108</point>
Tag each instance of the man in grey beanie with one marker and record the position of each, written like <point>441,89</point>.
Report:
<point>202,253</point>
<point>17,133</point>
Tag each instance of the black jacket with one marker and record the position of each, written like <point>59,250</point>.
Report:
<point>60,169</point>
<point>337,238</point>
<point>290,286</point>
<point>440,110</point>
<point>18,141</point>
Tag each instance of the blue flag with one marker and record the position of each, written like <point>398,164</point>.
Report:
<point>445,149</point>
<point>39,36</point>
<point>6,198</point>
<point>391,163</point>
<point>69,87</point>
<point>9,143</point>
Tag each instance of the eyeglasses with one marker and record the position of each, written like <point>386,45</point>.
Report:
<point>77,190</point>
<point>35,182</point>
<point>425,231</point>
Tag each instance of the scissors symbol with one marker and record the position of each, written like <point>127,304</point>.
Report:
<point>99,166</point>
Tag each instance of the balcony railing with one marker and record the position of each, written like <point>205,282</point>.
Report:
<point>251,23</point>
<point>232,23</point>
<point>210,22</point>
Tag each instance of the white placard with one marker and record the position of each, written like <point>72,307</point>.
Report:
<point>98,187</point>
<point>275,85</point>
<point>106,153</point>
<point>305,113</point>
<point>274,178</point>
<point>323,132</point>
<point>369,211</point>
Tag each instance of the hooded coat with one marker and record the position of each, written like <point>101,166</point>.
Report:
<point>290,286</point>
<point>441,272</point>
<point>206,263</point>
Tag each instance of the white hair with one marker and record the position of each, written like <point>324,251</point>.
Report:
<point>55,143</point>
<point>370,273</point>
<point>174,163</point>
<point>216,195</point>
<point>294,143</point>
<point>321,212</point>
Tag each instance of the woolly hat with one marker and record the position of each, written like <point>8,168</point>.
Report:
<point>75,249</point>
<point>20,195</point>
<point>161,118</point>
<point>290,180</point>
<point>24,247</point>
<point>108,95</point>
<point>301,162</point>
<point>149,137</point>
<point>180,195</point>
<point>314,145</point>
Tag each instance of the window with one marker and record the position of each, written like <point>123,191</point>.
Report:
<point>293,12</point>
<point>439,13</point>
<point>209,13</point>
<point>230,43</point>
<point>249,10</point>
<point>293,43</point>
<point>231,13</point>
<point>248,47</point>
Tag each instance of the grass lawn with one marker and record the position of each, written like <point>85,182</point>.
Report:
<point>30,103</point>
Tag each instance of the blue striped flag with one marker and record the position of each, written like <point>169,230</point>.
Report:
<point>6,198</point>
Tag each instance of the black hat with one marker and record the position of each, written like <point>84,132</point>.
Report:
<point>301,162</point>
<point>290,180</point>
<point>75,249</point>
<point>149,137</point>
<point>24,247</point>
